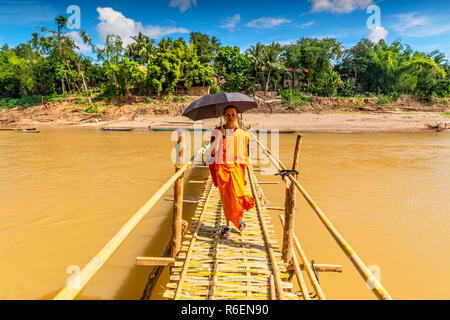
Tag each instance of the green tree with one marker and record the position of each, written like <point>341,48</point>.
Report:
<point>231,64</point>
<point>164,72</point>
<point>317,55</point>
<point>142,50</point>
<point>207,47</point>
<point>255,55</point>
<point>199,74</point>
<point>271,61</point>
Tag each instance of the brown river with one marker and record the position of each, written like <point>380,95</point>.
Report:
<point>66,192</point>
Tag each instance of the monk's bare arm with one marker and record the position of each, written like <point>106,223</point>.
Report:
<point>215,141</point>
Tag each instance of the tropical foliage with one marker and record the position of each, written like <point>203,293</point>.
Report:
<point>51,64</point>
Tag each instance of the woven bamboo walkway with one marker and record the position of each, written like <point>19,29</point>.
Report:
<point>212,268</point>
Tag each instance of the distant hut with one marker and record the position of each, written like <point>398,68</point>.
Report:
<point>180,89</point>
<point>295,78</point>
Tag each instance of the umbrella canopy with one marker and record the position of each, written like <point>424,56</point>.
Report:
<point>213,105</point>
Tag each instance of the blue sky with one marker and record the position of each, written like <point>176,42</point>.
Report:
<point>425,25</point>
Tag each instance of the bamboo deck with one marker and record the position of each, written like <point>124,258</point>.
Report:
<point>212,268</point>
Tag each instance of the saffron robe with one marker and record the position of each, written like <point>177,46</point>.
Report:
<point>228,173</point>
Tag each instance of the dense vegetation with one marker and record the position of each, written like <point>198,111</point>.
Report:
<point>49,64</point>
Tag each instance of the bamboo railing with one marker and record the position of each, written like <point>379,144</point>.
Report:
<point>375,285</point>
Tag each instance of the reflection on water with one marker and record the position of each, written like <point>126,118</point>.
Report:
<point>65,193</point>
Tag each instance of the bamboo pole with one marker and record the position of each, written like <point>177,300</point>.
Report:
<point>273,260</point>
<point>154,261</point>
<point>288,234</point>
<point>275,208</point>
<point>309,271</point>
<point>320,267</point>
<point>375,285</point>
<point>178,195</point>
<point>299,276</point>
<point>184,201</point>
<point>72,289</point>
<point>272,287</point>
<point>191,248</point>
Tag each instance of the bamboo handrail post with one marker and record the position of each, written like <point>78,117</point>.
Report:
<point>178,196</point>
<point>289,205</point>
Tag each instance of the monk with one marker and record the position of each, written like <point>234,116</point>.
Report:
<point>229,157</point>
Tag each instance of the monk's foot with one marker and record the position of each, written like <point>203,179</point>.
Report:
<point>242,226</point>
<point>225,232</point>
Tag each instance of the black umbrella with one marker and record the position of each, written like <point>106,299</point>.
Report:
<point>212,105</point>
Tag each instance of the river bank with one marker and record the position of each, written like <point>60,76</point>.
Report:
<point>330,115</point>
<point>358,122</point>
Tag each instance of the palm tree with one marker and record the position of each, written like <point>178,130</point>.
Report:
<point>142,50</point>
<point>255,55</point>
<point>165,45</point>
<point>271,60</point>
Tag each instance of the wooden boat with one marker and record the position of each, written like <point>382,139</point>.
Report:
<point>279,131</point>
<point>117,129</point>
<point>14,129</point>
<point>175,129</point>
<point>26,131</point>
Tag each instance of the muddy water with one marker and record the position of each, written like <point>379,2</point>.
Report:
<point>66,192</point>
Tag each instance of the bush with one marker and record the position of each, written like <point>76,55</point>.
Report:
<point>383,100</point>
<point>92,109</point>
<point>23,102</point>
<point>297,98</point>
<point>88,93</point>
<point>234,82</point>
<point>350,88</point>
<point>179,99</point>
<point>215,89</point>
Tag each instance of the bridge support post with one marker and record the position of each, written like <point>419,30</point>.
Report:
<point>289,205</point>
<point>178,191</point>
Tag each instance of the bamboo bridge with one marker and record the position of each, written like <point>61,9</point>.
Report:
<point>241,267</point>
<point>249,264</point>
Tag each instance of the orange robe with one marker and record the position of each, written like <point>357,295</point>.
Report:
<point>228,174</point>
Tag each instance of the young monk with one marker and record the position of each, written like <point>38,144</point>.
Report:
<point>230,158</point>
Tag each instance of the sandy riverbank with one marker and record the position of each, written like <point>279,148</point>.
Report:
<point>340,115</point>
<point>331,122</point>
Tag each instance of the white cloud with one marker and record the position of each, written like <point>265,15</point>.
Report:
<point>377,34</point>
<point>418,25</point>
<point>114,22</point>
<point>267,22</point>
<point>339,6</point>
<point>183,5</point>
<point>306,25</point>
<point>231,22</point>
<point>82,47</point>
